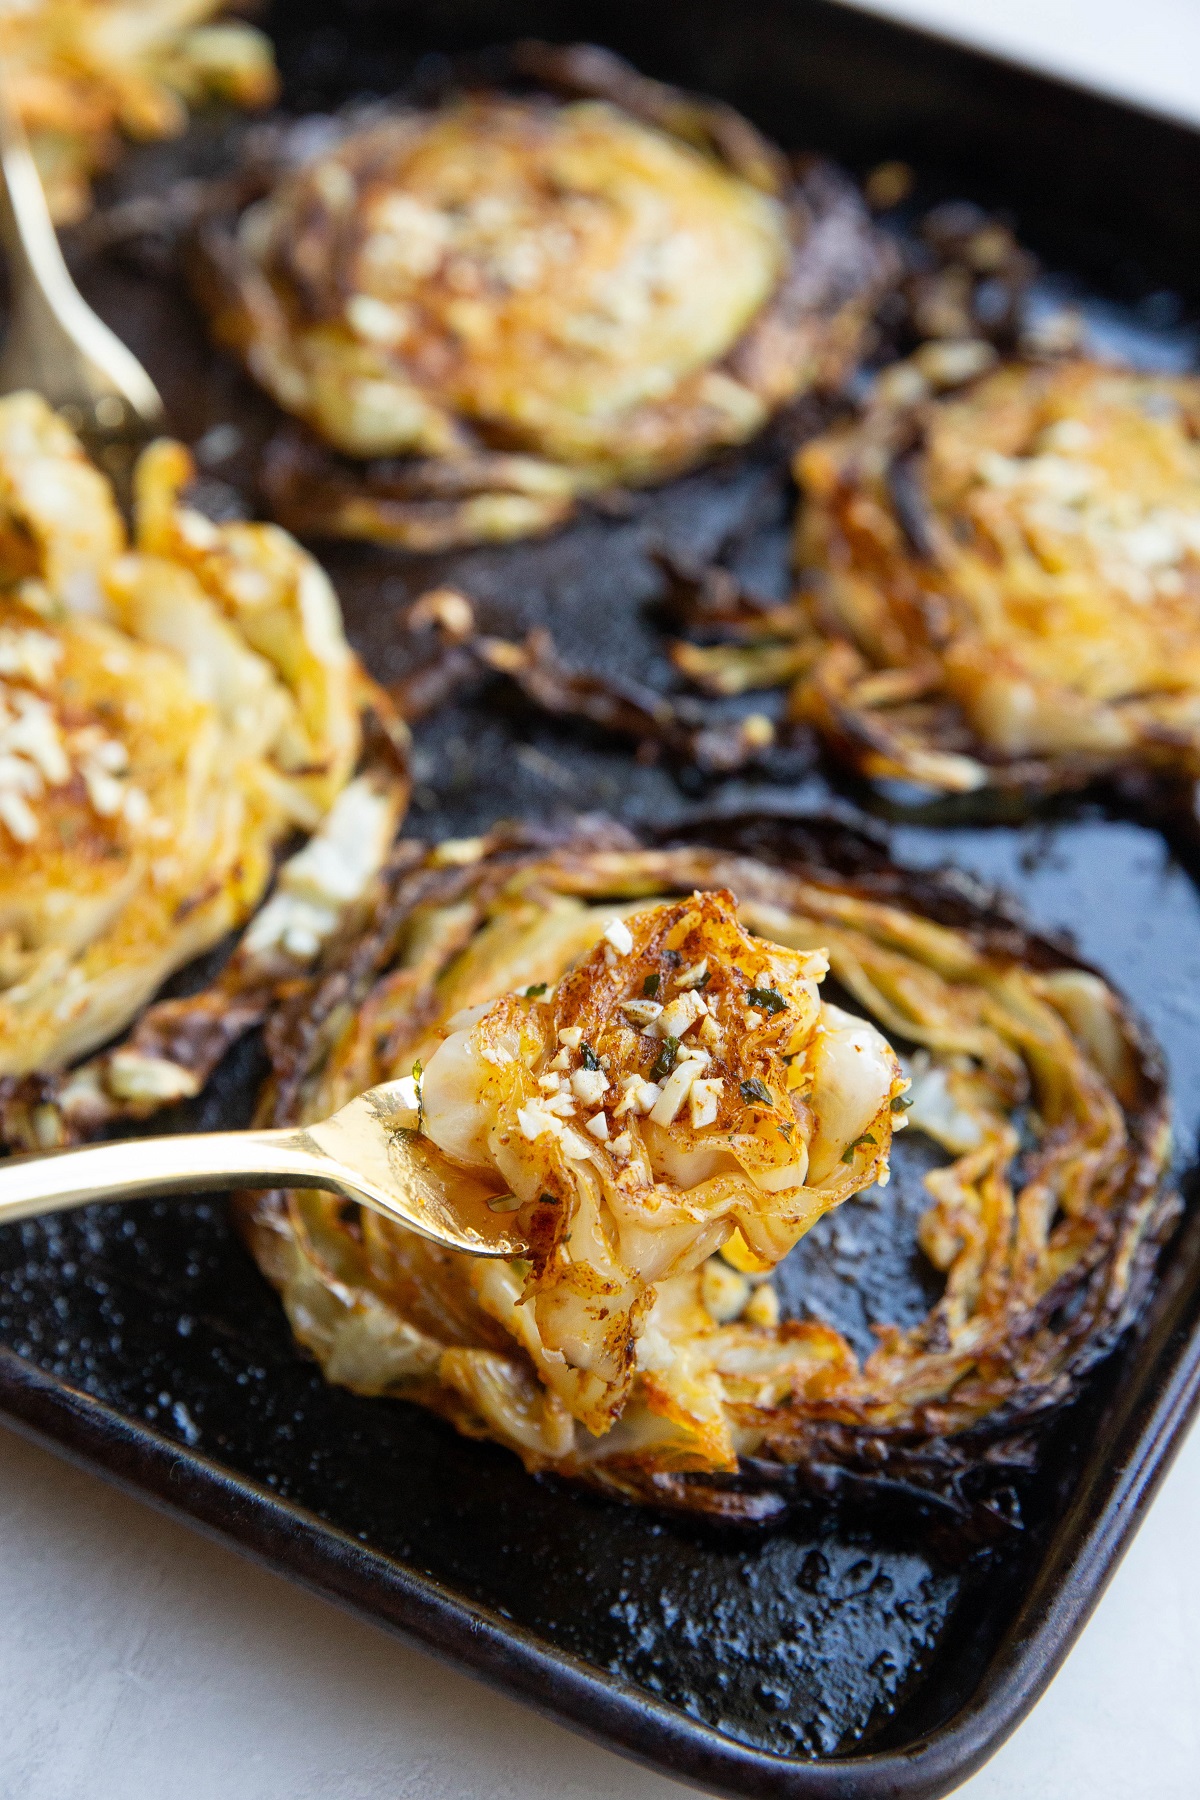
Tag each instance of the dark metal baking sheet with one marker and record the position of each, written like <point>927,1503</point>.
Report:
<point>842,1655</point>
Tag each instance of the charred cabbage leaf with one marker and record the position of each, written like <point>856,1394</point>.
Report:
<point>1026,1068</point>
<point>484,310</point>
<point>998,582</point>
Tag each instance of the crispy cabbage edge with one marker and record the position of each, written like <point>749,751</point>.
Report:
<point>1047,1253</point>
<point>806,335</point>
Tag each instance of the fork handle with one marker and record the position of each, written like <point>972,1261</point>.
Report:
<point>151,1168</point>
<point>55,342</point>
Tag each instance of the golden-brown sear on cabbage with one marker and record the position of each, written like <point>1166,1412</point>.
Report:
<point>80,72</point>
<point>168,715</point>
<point>1044,1247</point>
<point>639,1133</point>
<point>526,299</point>
<point>1004,583</point>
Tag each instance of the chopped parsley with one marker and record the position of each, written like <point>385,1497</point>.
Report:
<point>848,1152</point>
<point>651,985</point>
<point>767,1000</point>
<point>539,987</point>
<point>900,1102</point>
<point>588,1056</point>
<point>664,1062</point>
<point>757,1091</point>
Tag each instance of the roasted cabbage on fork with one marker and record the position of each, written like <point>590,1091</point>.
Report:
<point>662,1162</point>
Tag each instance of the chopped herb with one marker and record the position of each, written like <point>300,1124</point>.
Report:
<point>705,979</point>
<point>900,1102</point>
<point>651,985</point>
<point>539,987</point>
<point>547,1199</point>
<point>503,1203</point>
<point>848,1152</point>
<point>767,1000</point>
<point>590,1059</point>
<point>757,1090</point>
<point>664,1062</point>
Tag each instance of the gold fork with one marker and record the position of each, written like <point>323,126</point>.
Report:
<point>55,344</point>
<point>362,1153</point>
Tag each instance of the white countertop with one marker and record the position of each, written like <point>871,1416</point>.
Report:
<point>138,1660</point>
<point>1147,51</point>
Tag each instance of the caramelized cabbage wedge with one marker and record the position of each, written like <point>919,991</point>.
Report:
<point>528,297</point>
<point>80,72</point>
<point>170,714</point>
<point>662,1162</point>
<point>1003,583</point>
